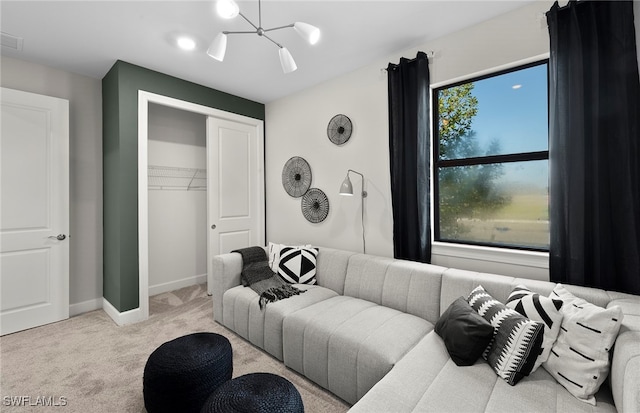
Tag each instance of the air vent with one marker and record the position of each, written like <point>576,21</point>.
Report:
<point>12,42</point>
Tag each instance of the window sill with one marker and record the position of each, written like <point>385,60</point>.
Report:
<point>534,259</point>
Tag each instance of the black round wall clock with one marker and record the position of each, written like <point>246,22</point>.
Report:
<point>296,176</point>
<point>315,205</point>
<point>339,129</point>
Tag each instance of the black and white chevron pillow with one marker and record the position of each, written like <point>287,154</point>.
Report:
<point>539,308</point>
<point>297,265</point>
<point>516,342</point>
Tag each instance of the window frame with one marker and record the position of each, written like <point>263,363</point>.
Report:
<point>480,160</point>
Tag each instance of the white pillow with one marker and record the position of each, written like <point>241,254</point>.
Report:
<point>579,359</point>
<point>542,309</point>
<point>274,255</point>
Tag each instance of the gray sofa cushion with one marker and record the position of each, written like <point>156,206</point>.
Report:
<point>427,380</point>
<point>226,275</point>
<point>331,268</point>
<point>460,282</point>
<point>263,327</point>
<point>346,344</point>
<point>625,365</point>
<point>406,286</point>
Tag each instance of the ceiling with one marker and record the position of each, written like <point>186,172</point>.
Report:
<point>87,37</point>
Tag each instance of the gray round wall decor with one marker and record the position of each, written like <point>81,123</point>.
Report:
<point>339,129</point>
<point>296,176</point>
<point>315,205</point>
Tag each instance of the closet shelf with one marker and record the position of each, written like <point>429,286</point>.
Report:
<point>168,177</point>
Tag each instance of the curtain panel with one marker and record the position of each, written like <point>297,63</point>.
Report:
<point>594,146</point>
<point>409,153</point>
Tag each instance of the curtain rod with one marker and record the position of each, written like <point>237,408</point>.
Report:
<point>430,54</point>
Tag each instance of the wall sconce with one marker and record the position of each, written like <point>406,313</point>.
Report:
<point>347,189</point>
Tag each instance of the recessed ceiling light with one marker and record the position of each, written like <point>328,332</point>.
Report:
<point>516,87</point>
<point>186,43</point>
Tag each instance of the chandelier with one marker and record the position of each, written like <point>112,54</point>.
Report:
<point>229,9</point>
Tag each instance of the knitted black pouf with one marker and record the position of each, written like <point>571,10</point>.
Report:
<point>181,374</point>
<point>255,393</point>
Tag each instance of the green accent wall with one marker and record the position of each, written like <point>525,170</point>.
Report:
<point>120,88</point>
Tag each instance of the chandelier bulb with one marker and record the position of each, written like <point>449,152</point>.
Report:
<point>218,47</point>
<point>286,60</point>
<point>227,9</point>
<point>309,32</point>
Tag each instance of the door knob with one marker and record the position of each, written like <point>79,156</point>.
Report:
<point>213,226</point>
<point>59,237</point>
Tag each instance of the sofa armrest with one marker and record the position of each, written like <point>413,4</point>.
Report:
<point>625,364</point>
<point>226,275</point>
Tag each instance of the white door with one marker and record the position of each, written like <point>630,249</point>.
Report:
<point>34,216</point>
<point>235,187</point>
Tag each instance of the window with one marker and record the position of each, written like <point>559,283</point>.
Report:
<point>491,160</point>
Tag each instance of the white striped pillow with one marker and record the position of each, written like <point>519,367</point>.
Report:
<point>579,359</point>
<point>542,309</point>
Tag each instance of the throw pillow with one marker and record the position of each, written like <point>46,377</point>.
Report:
<point>274,255</point>
<point>516,343</point>
<point>298,265</point>
<point>579,359</point>
<point>542,309</point>
<point>464,332</point>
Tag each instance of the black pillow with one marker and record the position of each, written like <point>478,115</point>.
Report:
<point>465,333</point>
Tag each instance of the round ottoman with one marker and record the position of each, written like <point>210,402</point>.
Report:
<point>182,373</point>
<point>255,393</point>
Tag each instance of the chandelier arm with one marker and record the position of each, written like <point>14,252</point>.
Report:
<point>272,41</point>
<point>278,28</point>
<point>248,21</point>
<point>247,32</point>
<point>243,32</point>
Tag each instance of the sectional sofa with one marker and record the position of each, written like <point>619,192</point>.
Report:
<point>365,332</point>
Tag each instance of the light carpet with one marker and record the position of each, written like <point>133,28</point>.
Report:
<point>89,364</point>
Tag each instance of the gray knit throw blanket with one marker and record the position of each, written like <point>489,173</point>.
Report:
<point>257,274</point>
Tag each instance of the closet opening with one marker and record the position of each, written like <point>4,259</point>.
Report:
<point>177,198</point>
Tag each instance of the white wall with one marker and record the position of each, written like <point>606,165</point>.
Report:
<point>296,125</point>
<point>177,218</point>
<point>85,189</point>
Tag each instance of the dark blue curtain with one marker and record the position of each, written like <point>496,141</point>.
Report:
<point>409,157</point>
<point>594,146</point>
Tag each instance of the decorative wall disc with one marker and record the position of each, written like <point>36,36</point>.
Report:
<point>315,205</point>
<point>296,176</point>
<point>339,129</point>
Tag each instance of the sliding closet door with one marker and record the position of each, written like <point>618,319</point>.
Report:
<point>235,186</point>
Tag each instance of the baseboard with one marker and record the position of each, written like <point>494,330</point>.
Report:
<point>176,285</point>
<point>121,318</point>
<point>85,307</point>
